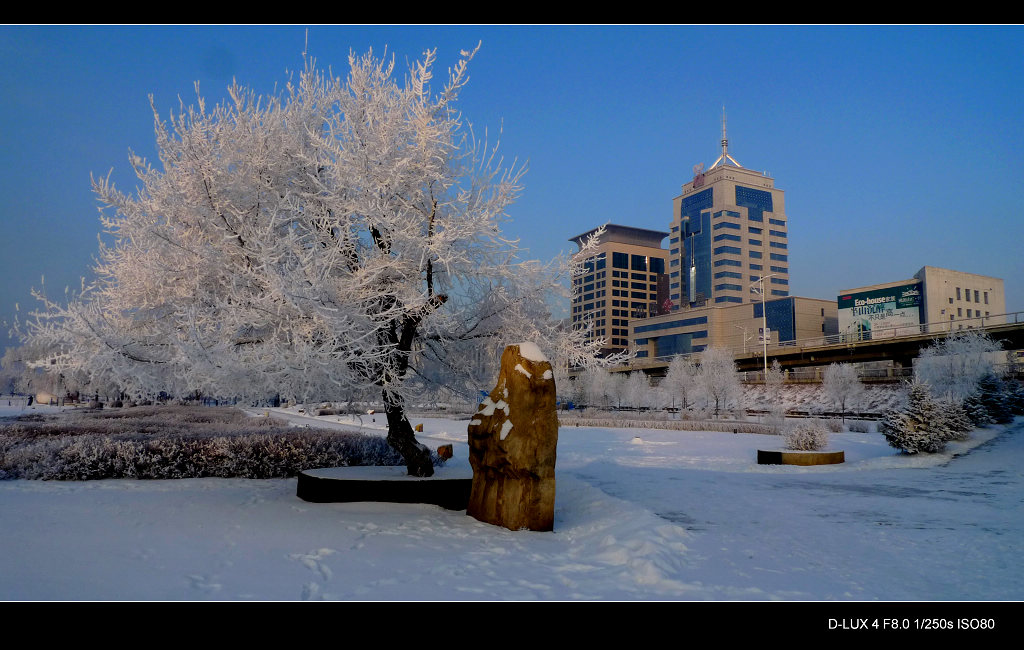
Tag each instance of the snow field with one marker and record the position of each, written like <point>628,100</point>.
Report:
<point>641,514</point>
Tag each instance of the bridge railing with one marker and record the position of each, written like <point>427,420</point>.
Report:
<point>983,323</point>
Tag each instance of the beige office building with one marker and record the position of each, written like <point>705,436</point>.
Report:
<point>736,327</point>
<point>620,282</point>
<point>729,229</point>
<point>934,300</point>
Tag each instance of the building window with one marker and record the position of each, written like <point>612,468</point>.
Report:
<point>951,301</point>
<point>779,269</point>
<point>727,249</point>
<point>986,301</point>
<point>620,260</point>
<point>777,233</point>
<point>756,267</point>
<point>778,257</point>
<point>958,293</point>
<point>777,244</point>
<point>754,231</point>
<point>967,295</point>
<point>755,242</point>
<point>728,263</point>
<point>728,237</point>
<point>959,312</point>
<point>976,296</point>
<point>756,255</point>
<point>726,224</point>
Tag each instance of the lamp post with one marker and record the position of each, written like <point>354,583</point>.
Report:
<point>745,337</point>
<point>764,318</point>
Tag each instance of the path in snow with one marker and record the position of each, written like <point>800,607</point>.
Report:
<point>951,532</point>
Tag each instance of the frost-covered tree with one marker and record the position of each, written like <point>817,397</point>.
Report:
<point>638,390</point>
<point>842,386</point>
<point>680,383</point>
<point>718,379</point>
<point>954,419</point>
<point>993,398</point>
<point>919,427</point>
<point>344,231</point>
<point>954,365</point>
<point>773,382</point>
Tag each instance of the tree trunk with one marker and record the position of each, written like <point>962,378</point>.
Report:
<point>403,440</point>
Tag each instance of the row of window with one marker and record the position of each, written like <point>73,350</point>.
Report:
<point>638,262</point>
<point>967,296</point>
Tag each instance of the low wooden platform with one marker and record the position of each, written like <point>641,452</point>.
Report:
<point>448,487</point>
<point>781,457</point>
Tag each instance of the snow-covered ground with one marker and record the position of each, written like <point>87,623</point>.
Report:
<point>641,514</point>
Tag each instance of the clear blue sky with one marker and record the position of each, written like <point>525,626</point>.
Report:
<point>897,147</point>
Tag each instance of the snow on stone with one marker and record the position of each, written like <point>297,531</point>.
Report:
<point>505,428</point>
<point>529,350</point>
<point>546,375</point>
<point>520,368</point>
<point>489,407</point>
<point>475,422</point>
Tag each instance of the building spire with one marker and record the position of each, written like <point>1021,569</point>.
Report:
<point>725,146</point>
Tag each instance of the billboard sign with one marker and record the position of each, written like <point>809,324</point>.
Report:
<point>880,313</point>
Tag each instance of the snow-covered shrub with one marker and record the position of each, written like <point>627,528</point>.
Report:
<point>182,442</point>
<point>919,427</point>
<point>808,435</point>
<point>859,426</point>
<point>834,425</point>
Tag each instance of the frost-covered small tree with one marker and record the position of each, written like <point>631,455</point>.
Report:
<point>344,231</point>
<point>954,419</point>
<point>993,397</point>
<point>599,387</point>
<point>718,379</point>
<point>954,365</point>
<point>919,427</point>
<point>680,383</point>
<point>638,390</point>
<point>842,386</point>
<point>773,382</point>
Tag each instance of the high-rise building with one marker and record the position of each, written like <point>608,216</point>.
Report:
<point>729,236</point>
<point>620,282</point>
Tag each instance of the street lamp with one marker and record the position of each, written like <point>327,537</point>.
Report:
<point>745,337</point>
<point>764,318</point>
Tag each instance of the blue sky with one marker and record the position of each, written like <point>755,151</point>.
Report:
<point>897,147</point>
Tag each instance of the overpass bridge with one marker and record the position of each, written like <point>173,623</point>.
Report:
<point>899,345</point>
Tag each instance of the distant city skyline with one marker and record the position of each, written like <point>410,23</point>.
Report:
<point>897,147</point>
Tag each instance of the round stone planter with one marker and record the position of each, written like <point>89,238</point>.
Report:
<point>788,457</point>
<point>448,487</point>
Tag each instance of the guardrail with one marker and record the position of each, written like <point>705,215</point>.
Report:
<point>983,323</point>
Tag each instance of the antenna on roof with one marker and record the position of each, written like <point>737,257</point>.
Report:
<point>725,146</point>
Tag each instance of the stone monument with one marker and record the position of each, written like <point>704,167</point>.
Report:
<point>512,441</point>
